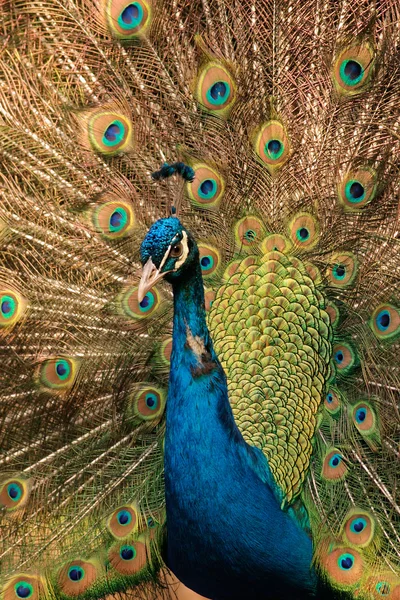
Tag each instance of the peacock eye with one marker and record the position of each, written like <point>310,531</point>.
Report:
<point>176,251</point>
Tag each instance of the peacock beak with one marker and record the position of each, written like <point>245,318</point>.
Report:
<point>150,276</point>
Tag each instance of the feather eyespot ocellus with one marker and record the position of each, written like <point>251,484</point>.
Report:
<point>366,421</point>
<point>342,269</point>
<point>123,521</point>
<point>58,374</point>
<point>359,528</point>
<point>304,231</point>
<point>272,145</point>
<point>12,307</point>
<point>249,231</point>
<point>385,322</point>
<point>24,587</point>
<point>77,576</point>
<point>332,402</point>
<point>216,89</point>
<point>344,566</point>
<point>210,259</point>
<point>363,417</point>
<point>113,219</point>
<point>14,493</point>
<point>128,558</point>
<point>352,69</point>
<point>334,467</point>
<point>140,310</point>
<point>127,552</point>
<point>357,189</point>
<point>126,19</point>
<point>109,132</point>
<point>76,573</point>
<point>207,188</point>
<point>148,403</point>
<point>344,357</point>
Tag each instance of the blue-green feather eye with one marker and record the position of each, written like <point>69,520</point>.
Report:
<point>218,93</point>
<point>118,220</point>
<point>206,262</point>
<point>63,369</point>
<point>274,149</point>
<point>382,320</point>
<point>151,401</point>
<point>354,191</point>
<point>12,307</point>
<point>23,589</point>
<point>124,517</point>
<point>58,373</point>
<point>7,306</point>
<point>147,303</point>
<point>339,357</point>
<point>343,269</point>
<point>357,188</point>
<point>207,189</point>
<point>127,552</point>
<point>335,461</point>
<point>76,573</point>
<point>351,72</point>
<point>358,525</point>
<point>334,467</point>
<point>151,523</point>
<point>215,88</point>
<point>346,561</point>
<point>339,272</point>
<point>302,234</point>
<point>131,16</point>
<point>360,415</point>
<point>113,219</point>
<point>114,134</point>
<point>126,19</point>
<point>14,491</point>
<point>353,67</point>
<point>385,322</point>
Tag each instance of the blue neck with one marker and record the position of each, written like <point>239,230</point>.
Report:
<point>189,307</point>
<point>194,365</point>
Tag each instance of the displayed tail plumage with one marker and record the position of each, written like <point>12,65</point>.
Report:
<point>280,123</point>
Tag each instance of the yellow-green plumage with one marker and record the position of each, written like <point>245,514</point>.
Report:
<point>298,226</point>
<point>273,338</point>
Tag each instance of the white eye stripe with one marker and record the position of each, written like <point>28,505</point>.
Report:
<point>185,252</point>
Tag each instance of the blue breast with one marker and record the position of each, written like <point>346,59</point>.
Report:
<point>227,535</point>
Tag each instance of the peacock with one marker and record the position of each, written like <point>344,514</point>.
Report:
<point>199,299</point>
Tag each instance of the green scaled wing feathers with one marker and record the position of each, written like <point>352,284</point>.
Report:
<point>288,113</point>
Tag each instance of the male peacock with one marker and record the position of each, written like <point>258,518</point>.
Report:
<point>283,119</point>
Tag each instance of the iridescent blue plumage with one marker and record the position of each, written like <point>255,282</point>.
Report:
<point>226,531</point>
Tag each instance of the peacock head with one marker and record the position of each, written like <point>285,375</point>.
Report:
<point>167,251</point>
